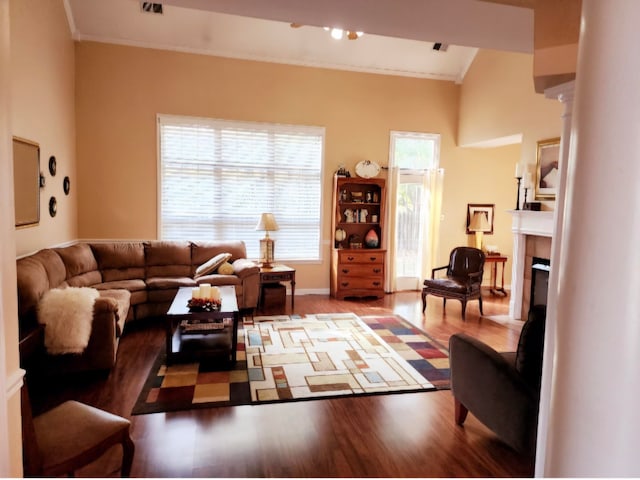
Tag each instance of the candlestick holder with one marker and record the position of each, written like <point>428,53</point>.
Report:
<point>518,193</point>
<point>524,203</point>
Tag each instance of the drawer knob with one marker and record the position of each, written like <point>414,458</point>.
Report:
<point>345,270</point>
<point>373,259</point>
<point>376,284</point>
<point>377,270</point>
<point>351,259</point>
<point>345,284</point>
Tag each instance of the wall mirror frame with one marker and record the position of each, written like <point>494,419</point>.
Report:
<point>26,181</point>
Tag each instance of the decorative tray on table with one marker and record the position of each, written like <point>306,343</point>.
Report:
<point>202,305</point>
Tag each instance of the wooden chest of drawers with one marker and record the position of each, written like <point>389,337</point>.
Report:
<point>357,273</point>
<point>358,220</point>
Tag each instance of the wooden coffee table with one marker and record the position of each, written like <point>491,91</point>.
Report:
<point>197,334</point>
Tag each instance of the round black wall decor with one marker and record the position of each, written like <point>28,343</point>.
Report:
<point>66,185</point>
<point>53,206</point>
<point>52,165</point>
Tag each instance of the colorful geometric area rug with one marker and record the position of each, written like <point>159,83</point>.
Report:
<point>324,355</point>
<point>288,358</point>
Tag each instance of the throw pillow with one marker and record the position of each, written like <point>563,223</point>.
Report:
<point>225,269</point>
<point>212,264</point>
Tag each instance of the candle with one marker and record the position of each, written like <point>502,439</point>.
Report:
<point>205,291</point>
<point>518,171</point>
<point>195,292</point>
<point>215,293</point>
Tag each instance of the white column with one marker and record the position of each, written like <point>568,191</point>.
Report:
<point>594,417</point>
<point>565,94</point>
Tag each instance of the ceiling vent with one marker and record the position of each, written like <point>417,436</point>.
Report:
<point>440,47</point>
<point>151,7</point>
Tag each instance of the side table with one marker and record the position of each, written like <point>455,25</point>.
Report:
<point>277,273</point>
<point>495,260</point>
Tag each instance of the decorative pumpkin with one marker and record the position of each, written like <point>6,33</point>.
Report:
<point>225,269</point>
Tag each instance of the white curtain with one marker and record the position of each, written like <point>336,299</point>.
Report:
<point>432,183</point>
<point>390,237</point>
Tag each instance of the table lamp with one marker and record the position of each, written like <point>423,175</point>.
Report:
<point>479,224</point>
<point>267,223</point>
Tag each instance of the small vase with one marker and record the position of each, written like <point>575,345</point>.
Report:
<point>371,239</point>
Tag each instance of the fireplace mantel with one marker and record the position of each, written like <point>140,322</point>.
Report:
<point>524,223</point>
<point>529,222</point>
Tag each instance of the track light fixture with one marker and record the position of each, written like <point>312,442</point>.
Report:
<point>335,32</point>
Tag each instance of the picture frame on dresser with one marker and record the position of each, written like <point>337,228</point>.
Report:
<point>547,173</point>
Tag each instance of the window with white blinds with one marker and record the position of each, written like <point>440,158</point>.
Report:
<point>217,177</point>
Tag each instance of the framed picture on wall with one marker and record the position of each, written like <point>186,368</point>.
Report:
<point>547,173</point>
<point>484,210</point>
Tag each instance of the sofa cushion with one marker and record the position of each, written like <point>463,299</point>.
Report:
<point>131,285</point>
<point>167,259</point>
<point>244,268</point>
<point>120,260</point>
<point>36,274</point>
<point>203,251</point>
<point>81,265</point>
<point>119,301</point>
<point>53,265</point>
<point>32,284</point>
<point>166,283</point>
<point>212,264</point>
<point>137,288</point>
<point>78,259</point>
<point>88,279</point>
<point>218,280</point>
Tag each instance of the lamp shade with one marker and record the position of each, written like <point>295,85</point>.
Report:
<point>267,223</point>
<point>479,222</point>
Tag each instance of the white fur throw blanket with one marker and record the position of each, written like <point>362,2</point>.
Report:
<point>68,315</point>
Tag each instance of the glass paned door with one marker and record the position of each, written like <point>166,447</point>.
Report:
<point>413,155</point>
<point>411,219</point>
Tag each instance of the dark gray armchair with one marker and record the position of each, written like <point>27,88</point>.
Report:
<point>502,390</point>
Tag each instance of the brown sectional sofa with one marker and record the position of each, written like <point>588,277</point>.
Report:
<point>135,279</point>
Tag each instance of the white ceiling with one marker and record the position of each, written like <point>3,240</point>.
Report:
<point>399,34</point>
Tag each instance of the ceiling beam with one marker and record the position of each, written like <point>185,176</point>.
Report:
<point>468,23</point>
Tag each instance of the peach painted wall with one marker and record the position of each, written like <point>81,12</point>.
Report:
<point>40,92</point>
<point>10,374</point>
<point>121,89</point>
<point>42,110</point>
<point>498,100</point>
<point>485,176</point>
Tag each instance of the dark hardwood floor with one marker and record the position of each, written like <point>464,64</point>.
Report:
<point>397,435</point>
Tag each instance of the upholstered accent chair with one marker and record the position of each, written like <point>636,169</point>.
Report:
<point>70,436</point>
<point>463,278</point>
<point>502,390</point>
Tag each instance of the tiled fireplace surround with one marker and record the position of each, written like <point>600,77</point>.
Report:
<point>532,233</point>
